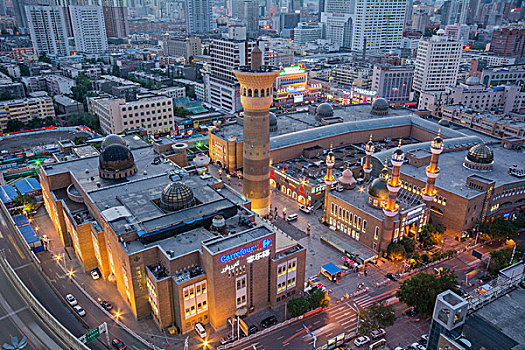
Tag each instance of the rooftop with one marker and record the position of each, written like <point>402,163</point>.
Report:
<point>225,243</point>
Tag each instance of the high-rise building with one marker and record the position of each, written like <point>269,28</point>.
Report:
<point>89,29</point>
<point>304,34</point>
<point>392,83</point>
<point>338,6</point>
<point>508,42</point>
<point>198,16</point>
<point>222,88</point>
<point>48,30</point>
<point>251,17</point>
<point>115,19</point>
<point>380,23</point>
<point>338,28</point>
<point>454,11</point>
<point>256,97</point>
<point>185,47</point>
<point>437,62</point>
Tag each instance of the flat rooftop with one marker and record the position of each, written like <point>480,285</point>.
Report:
<point>453,174</point>
<point>500,324</point>
<point>225,243</point>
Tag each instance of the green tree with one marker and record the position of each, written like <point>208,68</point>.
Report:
<point>83,86</point>
<point>317,298</point>
<point>26,201</point>
<point>421,290</point>
<point>44,58</point>
<point>115,70</point>
<point>396,251</point>
<point>24,70</point>
<point>6,95</point>
<point>378,315</point>
<point>298,306</point>
<point>430,235</point>
<point>499,229</point>
<point>409,245</point>
<point>14,125</point>
<point>87,119</point>
<point>79,140</point>
<point>500,259</point>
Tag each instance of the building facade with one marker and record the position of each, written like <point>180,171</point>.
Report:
<point>150,112</point>
<point>89,29</point>
<point>198,16</point>
<point>393,83</point>
<point>187,47</point>
<point>116,21</point>
<point>437,63</point>
<point>292,87</point>
<point>25,110</point>
<point>48,31</point>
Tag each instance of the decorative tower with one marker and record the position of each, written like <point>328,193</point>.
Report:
<point>432,170</point>
<point>328,180</point>
<point>256,97</point>
<point>392,207</point>
<point>369,150</point>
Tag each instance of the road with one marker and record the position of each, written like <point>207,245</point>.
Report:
<point>18,320</point>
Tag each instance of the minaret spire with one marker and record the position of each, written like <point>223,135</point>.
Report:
<point>369,150</point>
<point>328,180</point>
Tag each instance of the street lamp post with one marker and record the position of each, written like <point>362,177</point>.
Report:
<point>358,318</point>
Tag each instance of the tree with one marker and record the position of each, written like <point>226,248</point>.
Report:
<point>24,70</point>
<point>396,251</point>
<point>298,306</point>
<point>87,119</point>
<point>26,201</point>
<point>378,315</point>
<point>44,58</point>
<point>317,298</point>
<point>82,88</point>
<point>500,259</point>
<point>6,95</point>
<point>430,235</point>
<point>409,245</point>
<point>14,125</point>
<point>499,229</point>
<point>421,290</point>
<point>115,70</point>
<point>79,140</point>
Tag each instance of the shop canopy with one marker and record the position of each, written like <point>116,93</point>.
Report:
<point>29,233</point>
<point>331,269</point>
<point>7,193</point>
<point>20,220</point>
<point>27,185</point>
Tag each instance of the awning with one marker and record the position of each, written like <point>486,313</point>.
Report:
<point>7,193</point>
<point>331,268</point>
<point>29,233</point>
<point>27,185</point>
<point>20,220</point>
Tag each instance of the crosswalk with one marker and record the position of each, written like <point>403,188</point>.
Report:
<point>365,300</point>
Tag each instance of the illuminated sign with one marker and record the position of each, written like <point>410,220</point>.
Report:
<point>228,268</point>
<point>364,92</point>
<point>263,244</point>
<point>258,256</point>
<point>292,70</point>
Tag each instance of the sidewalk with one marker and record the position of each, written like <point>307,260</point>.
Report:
<point>100,288</point>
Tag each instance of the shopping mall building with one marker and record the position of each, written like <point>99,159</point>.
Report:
<point>180,247</point>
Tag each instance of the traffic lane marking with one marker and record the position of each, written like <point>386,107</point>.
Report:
<point>295,335</point>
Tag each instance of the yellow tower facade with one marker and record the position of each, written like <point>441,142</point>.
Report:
<point>256,98</point>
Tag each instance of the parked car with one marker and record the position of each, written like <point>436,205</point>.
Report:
<point>423,340</point>
<point>71,300</point>
<point>268,321</point>
<point>361,340</point>
<point>291,217</point>
<point>95,275</point>
<point>106,305</point>
<point>378,333</point>
<point>118,344</point>
<point>460,291</point>
<point>200,330</point>
<point>306,209</point>
<point>252,329</point>
<point>80,311</point>
<point>391,277</point>
<point>417,346</point>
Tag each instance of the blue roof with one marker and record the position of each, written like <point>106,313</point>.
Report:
<point>7,193</point>
<point>27,185</point>
<point>331,268</point>
<point>20,220</point>
<point>29,233</point>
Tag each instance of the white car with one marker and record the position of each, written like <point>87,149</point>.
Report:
<point>80,311</point>
<point>378,333</point>
<point>306,209</point>
<point>417,346</point>
<point>95,275</point>
<point>71,300</point>
<point>424,338</point>
<point>291,217</point>
<point>361,340</point>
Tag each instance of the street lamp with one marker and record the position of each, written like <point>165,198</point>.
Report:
<point>70,273</point>
<point>358,318</point>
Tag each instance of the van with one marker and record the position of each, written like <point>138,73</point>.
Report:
<point>291,217</point>
<point>378,344</point>
<point>200,330</point>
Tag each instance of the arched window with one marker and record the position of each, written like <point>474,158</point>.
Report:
<point>267,91</point>
<point>256,93</point>
<point>262,92</point>
<point>244,94</point>
<point>249,92</point>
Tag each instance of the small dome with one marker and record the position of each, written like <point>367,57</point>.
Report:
<point>177,195</point>
<point>116,158</point>
<point>112,140</point>
<point>481,154</point>
<point>444,122</point>
<point>473,80</point>
<point>347,180</point>
<point>441,32</point>
<point>379,106</point>
<point>378,189</point>
<point>324,110</point>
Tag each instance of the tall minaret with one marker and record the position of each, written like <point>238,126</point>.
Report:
<point>369,150</point>
<point>392,207</point>
<point>429,192</point>
<point>328,180</point>
<point>256,97</point>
